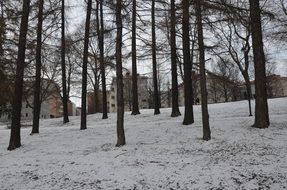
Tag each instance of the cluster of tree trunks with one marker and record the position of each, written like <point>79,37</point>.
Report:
<point>261,110</point>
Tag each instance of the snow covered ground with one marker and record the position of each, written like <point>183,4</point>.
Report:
<point>160,153</point>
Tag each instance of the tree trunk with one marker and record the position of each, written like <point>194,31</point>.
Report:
<point>188,94</point>
<point>135,101</point>
<point>248,90</point>
<point>175,109</point>
<point>120,86</point>
<point>204,107</point>
<point>225,92</point>
<point>85,63</point>
<point>63,65</point>
<point>2,30</point>
<point>154,62</point>
<point>261,105</point>
<point>15,137</point>
<point>102,64</point>
<point>37,88</point>
<point>96,89</point>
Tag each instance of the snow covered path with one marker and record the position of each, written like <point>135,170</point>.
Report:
<point>160,153</point>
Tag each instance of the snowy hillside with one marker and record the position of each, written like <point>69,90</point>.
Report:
<point>160,153</point>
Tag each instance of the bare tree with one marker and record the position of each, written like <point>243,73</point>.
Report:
<point>63,65</point>
<point>37,88</point>
<point>261,105</point>
<point>120,86</point>
<point>154,62</point>
<point>85,65</point>
<point>15,137</point>
<point>100,31</point>
<point>135,101</point>
<point>175,109</point>
<point>204,107</point>
<point>188,94</point>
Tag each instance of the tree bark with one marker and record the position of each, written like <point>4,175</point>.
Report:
<point>261,105</point>
<point>96,88</point>
<point>204,106</point>
<point>248,90</point>
<point>120,86</point>
<point>175,109</point>
<point>102,64</point>
<point>135,101</point>
<point>63,65</point>
<point>2,30</point>
<point>188,94</point>
<point>85,63</point>
<point>154,63</point>
<point>15,136</point>
<point>37,88</point>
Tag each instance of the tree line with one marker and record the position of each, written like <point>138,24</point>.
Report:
<point>186,34</point>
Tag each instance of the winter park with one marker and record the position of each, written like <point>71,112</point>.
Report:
<point>169,94</point>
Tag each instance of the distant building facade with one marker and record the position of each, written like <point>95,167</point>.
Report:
<point>143,95</point>
<point>276,86</point>
<point>97,106</point>
<point>51,106</point>
<point>219,89</point>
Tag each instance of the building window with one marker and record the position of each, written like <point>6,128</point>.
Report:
<point>27,114</point>
<point>144,100</point>
<point>113,97</point>
<point>113,105</point>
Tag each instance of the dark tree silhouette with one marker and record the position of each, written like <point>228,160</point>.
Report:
<point>188,94</point>
<point>175,109</point>
<point>100,32</point>
<point>154,62</point>
<point>120,86</point>
<point>135,101</point>
<point>85,65</point>
<point>63,65</point>
<point>204,107</point>
<point>261,104</point>
<point>37,88</point>
<point>15,136</point>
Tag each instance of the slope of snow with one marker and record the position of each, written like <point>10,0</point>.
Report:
<point>160,153</point>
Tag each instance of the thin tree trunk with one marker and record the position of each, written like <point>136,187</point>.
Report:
<point>175,109</point>
<point>100,31</point>
<point>2,30</point>
<point>135,101</point>
<point>204,106</point>
<point>85,63</point>
<point>246,75</point>
<point>37,88</point>
<point>154,62</point>
<point>96,88</point>
<point>120,86</point>
<point>261,105</point>
<point>15,136</point>
<point>248,90</point>
<point>188,94</point>
<point>63,65</point>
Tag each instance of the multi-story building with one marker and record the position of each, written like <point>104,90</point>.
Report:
<point>97,106</point>
<point>143,95</point>
<point>276,86</point>
<point>219,89</point>
<point>51,106</point>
